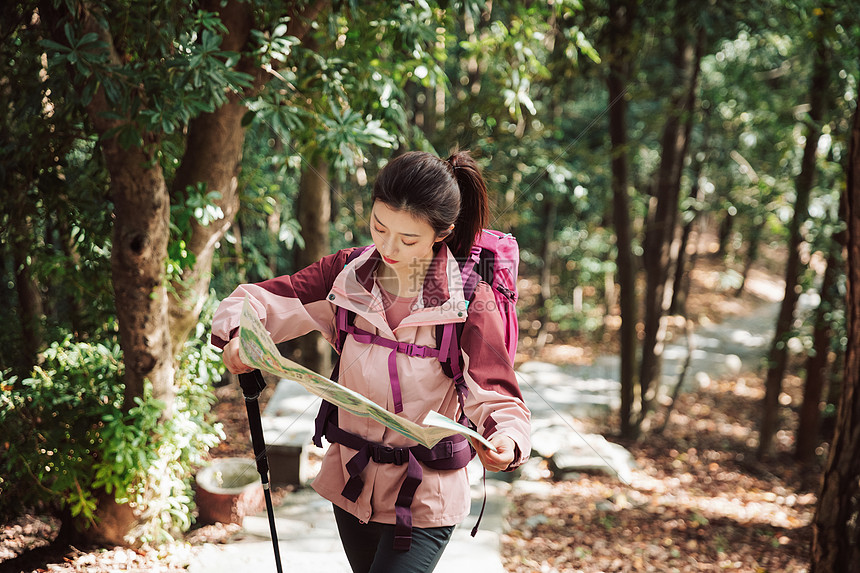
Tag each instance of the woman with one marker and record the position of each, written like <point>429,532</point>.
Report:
<point>426,214</point>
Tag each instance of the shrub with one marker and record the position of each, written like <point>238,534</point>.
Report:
<point>67,437</point>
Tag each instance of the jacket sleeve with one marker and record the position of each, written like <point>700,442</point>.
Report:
<point>494,403</point>
<point>288,306</point>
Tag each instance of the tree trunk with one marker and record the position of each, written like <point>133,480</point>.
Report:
<point>753,243</point>
<point>834,396</point>
<point>314,216</point>
<point>550,214</point>
<point>29,298</point>
<point>213,155</point>
<point>430,112</point>
<point>622,14</point>
<point>678,271</point>
<point>683,267</point>
<point>836,525</point>
<point>778,355</point>
<point>827,422</point>
<point>663,215</point>
<point>818,363</point>
<point>727,226</point>
<point>475,31</point>
<point>141,230</point>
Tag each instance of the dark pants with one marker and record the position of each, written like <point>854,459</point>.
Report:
<point>370,546</point>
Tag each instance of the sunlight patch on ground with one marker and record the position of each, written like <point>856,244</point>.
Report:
<point>744,507</point>
<point>731,307</point>
<point>679,493</point>
<point>745,338</point>
<point>764,287</point>
<point>779,508</point>
<point>730,430</point>
<point>739,387</point>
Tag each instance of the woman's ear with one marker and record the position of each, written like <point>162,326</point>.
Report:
<point>444,234</point>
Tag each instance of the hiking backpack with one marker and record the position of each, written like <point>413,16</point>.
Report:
<point>494,258</point>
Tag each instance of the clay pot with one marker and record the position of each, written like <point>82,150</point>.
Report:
<point>227,490</point>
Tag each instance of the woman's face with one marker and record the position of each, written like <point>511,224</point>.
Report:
<point>401,238</point>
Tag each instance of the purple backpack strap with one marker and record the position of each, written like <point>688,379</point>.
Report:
<point>449,334</point>
<point>327,409</point>
<point>409,349</point>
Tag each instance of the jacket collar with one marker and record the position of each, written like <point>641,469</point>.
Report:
<point>441,299</point>
<point>434,291</point>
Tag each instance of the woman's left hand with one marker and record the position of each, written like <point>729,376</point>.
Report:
<point>502,458</point>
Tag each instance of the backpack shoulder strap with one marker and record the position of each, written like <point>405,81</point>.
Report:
<point>471,271</point>
<point>448,335</point>
<point>343,317</point>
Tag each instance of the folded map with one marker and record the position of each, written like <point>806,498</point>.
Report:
<point>257,349</point>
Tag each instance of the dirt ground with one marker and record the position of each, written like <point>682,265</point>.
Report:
<point>697,502</point>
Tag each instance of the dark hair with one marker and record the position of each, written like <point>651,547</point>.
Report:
<point>443,192</point>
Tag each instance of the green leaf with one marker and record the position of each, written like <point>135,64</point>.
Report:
<point>69,33</point>
<point>88,39</point>
<point>128,137</point>
<point>230,58</point>
<point>52,45</point>
<point>88,92</point>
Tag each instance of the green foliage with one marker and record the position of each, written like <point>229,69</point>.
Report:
<point>198,206</point>
<point>345,133</point>
<point>58,416</point>
<point>265,229</point>
<point>84,53</point>
<point>341,99</point>
<point>53,222</point>
<point>76,438</point>
<point>275,47</point>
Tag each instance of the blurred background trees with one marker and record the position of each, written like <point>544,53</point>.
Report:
<point>156,155</point>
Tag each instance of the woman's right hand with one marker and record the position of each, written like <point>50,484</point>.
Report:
<point>231,358</point>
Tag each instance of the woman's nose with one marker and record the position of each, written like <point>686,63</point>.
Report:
<point>389,248</point>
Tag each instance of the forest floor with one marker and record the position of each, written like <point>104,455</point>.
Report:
<point>698,501</point>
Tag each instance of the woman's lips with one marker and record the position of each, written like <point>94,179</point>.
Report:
<point>389,261</point>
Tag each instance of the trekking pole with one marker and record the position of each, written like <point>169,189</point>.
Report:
<point>252,384</point>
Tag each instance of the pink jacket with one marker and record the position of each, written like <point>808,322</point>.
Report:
<point>290,306</point>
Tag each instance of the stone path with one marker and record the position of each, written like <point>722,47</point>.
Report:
<point>557,397</point>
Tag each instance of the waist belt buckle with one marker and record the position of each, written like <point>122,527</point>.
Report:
<point>389,455</point>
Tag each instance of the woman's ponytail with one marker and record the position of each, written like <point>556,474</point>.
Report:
<point>474,203</point>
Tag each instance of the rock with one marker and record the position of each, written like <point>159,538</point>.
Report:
<point>591,452</point>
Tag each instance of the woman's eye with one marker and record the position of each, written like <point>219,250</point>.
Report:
<point>410,244</point>
<point>378,230</point>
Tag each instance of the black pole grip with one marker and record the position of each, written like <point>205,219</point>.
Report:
<point>252,384</point>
